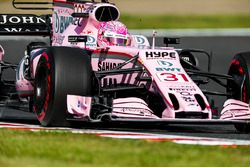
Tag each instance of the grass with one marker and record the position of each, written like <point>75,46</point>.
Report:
<point>35,149</point>
<point>188,21</point>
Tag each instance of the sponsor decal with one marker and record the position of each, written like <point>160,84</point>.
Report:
<point>237,112</point>
<point>90,8</point>
<point>91,41</point>
<point>140,40</point>
<point>79,8</point>
<point>187,97</point>
<point>58,39</point>
<point>21,19</point>
<point>81,105</point>
<point>159,69</point>
<point>20,30</point>
<point>22,23</point>
<point>140,111</point>
<point>186,59</point>
<point>77,21</point>
<point>62,22</point>
<point>182,88</point>
<point>166,66</point>
<point>160,55</point>
<point>164,63</point>
<point>104,66</point>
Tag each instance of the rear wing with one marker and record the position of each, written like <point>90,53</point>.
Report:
<point>46,5</point>
<point>25,5</point>
<point>25,24</point>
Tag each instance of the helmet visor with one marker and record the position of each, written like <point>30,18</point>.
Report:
<point>116,39</point>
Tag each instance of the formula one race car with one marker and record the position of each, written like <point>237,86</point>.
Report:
<point>95,70</point>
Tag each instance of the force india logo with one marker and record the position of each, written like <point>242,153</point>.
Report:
<point>140,40</point>
<point>164,63</point>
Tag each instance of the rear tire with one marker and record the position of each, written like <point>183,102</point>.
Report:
<point>60,71</point>
<point>240,70</point>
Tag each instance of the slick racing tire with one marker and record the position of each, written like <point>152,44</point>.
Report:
<point>60,71</point>
<point>240,88</point>
<point>240,71</point>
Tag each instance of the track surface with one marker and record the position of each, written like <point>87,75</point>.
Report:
<point>223,49</point>
<point>212,131</point>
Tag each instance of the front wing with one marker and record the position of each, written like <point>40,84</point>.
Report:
<point>135,111</point>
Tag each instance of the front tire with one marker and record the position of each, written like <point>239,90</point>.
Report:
<point>240,88</point>
<point>60,71</point>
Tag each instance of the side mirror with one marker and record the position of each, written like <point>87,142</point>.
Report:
<point>168,41</point>
<point>77,39</point>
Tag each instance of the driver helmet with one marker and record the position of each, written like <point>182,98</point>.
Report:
<point>113,33</point>
<point>1,53</point>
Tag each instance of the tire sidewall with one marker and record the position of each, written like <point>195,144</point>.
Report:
<point>244,63</point>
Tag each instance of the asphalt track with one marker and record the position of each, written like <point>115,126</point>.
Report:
<point>222,47</point>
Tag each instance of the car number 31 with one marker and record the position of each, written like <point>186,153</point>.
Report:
<point>168,77</point>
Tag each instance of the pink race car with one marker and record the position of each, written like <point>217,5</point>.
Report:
<point>95,71</point>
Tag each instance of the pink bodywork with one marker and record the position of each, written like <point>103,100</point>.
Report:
<point>235,110</point>
<point>163,65</point>
<point>79,106</point>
